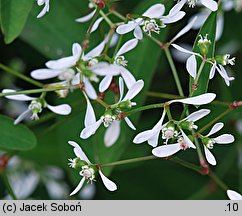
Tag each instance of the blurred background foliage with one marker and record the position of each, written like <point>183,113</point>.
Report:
<point>51,37</point>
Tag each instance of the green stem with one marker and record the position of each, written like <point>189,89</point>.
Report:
<point>176,160</point>
<point>117,14</point>
<point>103,103</point>
<point>215,120</point>
<point>174,72</point>
<point>218,180</point>
<point>110,36</point>
<point>152,106</point>
<point>7,183</point>
<point>128,161</point>
<point>109,22</point>
<point>21,76</point>
<point>198,74</point>
<point>118,45</point>
<point>34,91</point>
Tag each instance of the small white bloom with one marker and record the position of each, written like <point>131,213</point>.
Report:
<point>89,17</point>
<point>210,4</point>
<point>209,142</point>
<point>233,195</point>
<point>36,106</point>
<point>46,7</point>
<point>152,20</point>
<point>117,68</point>
<point>110,120</point>
<point>88,170</point>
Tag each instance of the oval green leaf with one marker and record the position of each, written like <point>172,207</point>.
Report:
<point>13,15</point>
<point>15,137</point>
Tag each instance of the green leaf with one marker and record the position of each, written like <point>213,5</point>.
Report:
<point>15,137</point>
<point>54,34</point>
<point>13,16</point>
<point>209,27</point>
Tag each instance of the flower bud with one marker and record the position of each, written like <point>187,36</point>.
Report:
<point>125,105</point>
<point>225,59</point>
<point>204,44</point>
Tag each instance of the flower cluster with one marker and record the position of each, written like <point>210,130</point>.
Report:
<point>95,72</point>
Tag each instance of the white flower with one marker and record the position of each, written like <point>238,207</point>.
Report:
<point>191,64</point>
<point>209,142</point>
<point>110,118</point>
<point>183,142</point>
<point>152,135</point>
<point>152,20</point>
<point>233,195</point>
<point>87,169</point>
<point>46,7</point>
<point>36,106</point>
<point>117,68</point>
<point>62,68</point>
<point>210,4</point>
<point>224,60</point>
<point>89,17</point>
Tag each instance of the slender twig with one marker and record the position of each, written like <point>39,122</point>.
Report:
<point>174,72</point>
<point>152,106</point>
<point>20,75</point>
<point>7,183</point>
<point>34,91</point>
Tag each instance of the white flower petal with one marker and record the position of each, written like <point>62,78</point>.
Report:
<point>89,89</point>
<point>210,4</point>
<point>233,195</point>
<point>195,116</point>
<point>111,186</point>
<point>63,109</point>
<point>90,117</point>
<point>134,90</point>
<point>172,19</point>
<point>45,9</point>
<point>95,52</point>
<point>138,33</point>
<point>86,18</point>
<point>212,71</point>
<point>129,45</point>
<point>220,27</point>
<point>155,11</point>
<point>201,18</point>
<point>187,140</point>
<point>23,116</point>
<point>42,74</point>
<point>177,7</point>
<point>166,150</point>
<point>90,130</point>
<point>79,152</point>
<point>209,156</point>
<point>18,97</point>
<point>79,186</point>
<point>112,134</point>
<point>182,49</point>
<point>224,139</point>
<point>105,83</point>
<point>125,28</point>
<point>145,135</point>
<point>62,63</point>
<point>129,123</point>
<point>128,77</point>
<point>197,100</point>
<point>76,51</point>
<point>153,141</point>
<point>191,66</point>
<point>184,30</point>
<point>76,79</point>
<point>96,24</point>
<point>121,88</point>
<point>217,127</point>
<point>104,69</point>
